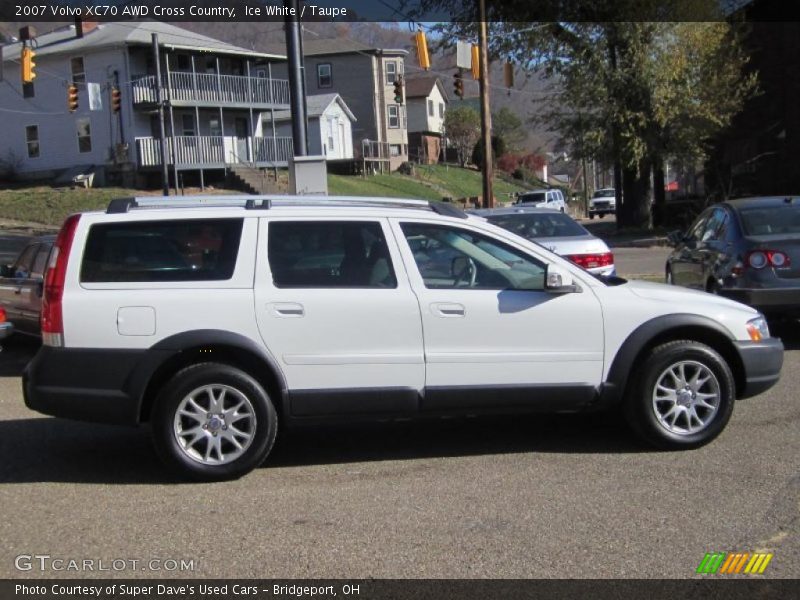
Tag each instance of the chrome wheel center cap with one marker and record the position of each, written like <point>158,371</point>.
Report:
<point>215,424</point>
<point>685,397</point>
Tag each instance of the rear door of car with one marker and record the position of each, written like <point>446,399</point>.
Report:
<point>335,308</point>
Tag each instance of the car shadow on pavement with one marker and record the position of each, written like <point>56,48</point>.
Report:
<point>58,450</point>
<point>563,434</point>
<point>15,354</point>
<point>788,331</point>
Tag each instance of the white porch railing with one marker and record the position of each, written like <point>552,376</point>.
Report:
<point>212,88</point>
<point>206,151</point>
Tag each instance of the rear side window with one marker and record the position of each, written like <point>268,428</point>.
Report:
<point>185,250</point>
<point>329,254</point>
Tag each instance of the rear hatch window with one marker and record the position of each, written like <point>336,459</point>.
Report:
<point>184,250</point>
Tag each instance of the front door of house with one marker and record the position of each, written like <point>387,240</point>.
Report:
<point>242,128</point>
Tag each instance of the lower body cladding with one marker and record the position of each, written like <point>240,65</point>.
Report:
<point>108,386</point>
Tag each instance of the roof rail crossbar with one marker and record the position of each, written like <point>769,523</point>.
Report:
<point>123,205</point>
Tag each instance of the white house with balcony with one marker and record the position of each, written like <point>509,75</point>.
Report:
<point>214,94</point>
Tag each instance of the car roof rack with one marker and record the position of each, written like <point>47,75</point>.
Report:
<point>124,205</point>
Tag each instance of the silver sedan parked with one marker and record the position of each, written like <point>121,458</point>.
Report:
<point>556,232</point>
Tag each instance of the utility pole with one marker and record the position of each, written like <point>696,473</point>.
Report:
<point>296,83</point>
<point>486,115</point>
<point>162,132</point>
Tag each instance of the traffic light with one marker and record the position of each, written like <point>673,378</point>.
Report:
<point>422,50</point>
<point>475,65</point>
<point>28,73</point>
<point>116,99</point>
<point>458,84</point>
<point>398,90</point>
<point>72,97</point>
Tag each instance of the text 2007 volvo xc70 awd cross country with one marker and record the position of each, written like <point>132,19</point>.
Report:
<point>216,319</point>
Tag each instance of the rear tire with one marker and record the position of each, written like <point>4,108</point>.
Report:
<point>683,396</point>
<point>213,422</point>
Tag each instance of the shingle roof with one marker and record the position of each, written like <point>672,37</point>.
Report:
<point>317,105</point>
<point>130,33</point>
<point>419,87</point>
<point>322,47</point>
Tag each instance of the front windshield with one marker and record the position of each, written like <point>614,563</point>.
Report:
<point>534,226</point>
<point>603,194</point>
<point>532,197</point>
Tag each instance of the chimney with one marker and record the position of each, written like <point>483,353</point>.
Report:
<point>83,27</point>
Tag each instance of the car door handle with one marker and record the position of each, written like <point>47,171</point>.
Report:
<point>448,309</point>
<point>286,309</point>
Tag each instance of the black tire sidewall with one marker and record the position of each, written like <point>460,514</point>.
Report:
<point>639,405</point>
<point>190,379</point>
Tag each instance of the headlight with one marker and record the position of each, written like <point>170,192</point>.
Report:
<point>758,329</point>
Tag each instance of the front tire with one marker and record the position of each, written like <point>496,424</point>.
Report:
<point>683,397</point>
<point>213,422</point>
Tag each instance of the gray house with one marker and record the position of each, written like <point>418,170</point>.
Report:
<point>364,77</point>
<point>215,94</point>
<point>330,126</point>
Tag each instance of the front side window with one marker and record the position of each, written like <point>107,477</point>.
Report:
<point>32,140</point>
<point>394,116</point>
<point>186,250</point>
<point>78,72</point>
<point>324,76</point>
<point>452,258</point>
<point>84,135</point>
<point>329,254</point>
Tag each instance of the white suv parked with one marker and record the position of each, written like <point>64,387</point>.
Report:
<point>219,320</point>
<point>552,199</point>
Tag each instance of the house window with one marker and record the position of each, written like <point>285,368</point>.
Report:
<point>188,125</point>
<point>261,73</point>
<point>184,64</point>
<point>395,149</point>
<point>430,108</point>
<point>78,72</point>
<point>403,117</point>
<point>211,66</point>
<point>84,135</point>
<point>391,72</point>
<point>394,116</point>
<point>441,110</point>
<point>331,133</point>
<point>32,140</point>
<point>214,127</point>
<point>324,76</point>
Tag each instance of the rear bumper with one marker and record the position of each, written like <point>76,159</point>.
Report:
<point>762,363</point>
<point>767,300</point>
<point>84,384</point>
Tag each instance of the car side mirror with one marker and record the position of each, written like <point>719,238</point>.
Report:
<point>675,238</point>
<point>558,280</point>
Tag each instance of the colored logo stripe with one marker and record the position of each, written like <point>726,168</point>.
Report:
<point>734,563</point>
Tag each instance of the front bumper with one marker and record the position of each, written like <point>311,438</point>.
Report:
<point>767,300</point>
<point>762,362</point>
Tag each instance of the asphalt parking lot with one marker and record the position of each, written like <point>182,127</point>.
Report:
<point>547,496</point>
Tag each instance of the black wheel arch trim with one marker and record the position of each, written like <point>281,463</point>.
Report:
<point>613,389</point>
<point>167,349</point>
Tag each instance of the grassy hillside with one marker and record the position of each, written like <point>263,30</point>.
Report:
<point>49,206</point>
<point>430,182</point>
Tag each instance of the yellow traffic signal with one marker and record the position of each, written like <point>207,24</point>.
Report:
<point>422,50</point>
<point>476,62</point>
<point>398,90</point>
<point>116,99</point>
<point>458,84</point>
<point>28,73</point>
<point>508,74</point>
<point>72,97</point>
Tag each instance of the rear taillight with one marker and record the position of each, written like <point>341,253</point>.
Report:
<point>592,261</point>
<point>52,320</point>
<point>759,259</point>
<point>3,316</point>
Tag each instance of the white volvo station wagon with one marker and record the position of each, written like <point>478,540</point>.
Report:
<point>219,319</point>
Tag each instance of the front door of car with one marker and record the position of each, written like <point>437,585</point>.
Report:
<point>711,249</point>
<point>494,339</point>
<point>336,311</point>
